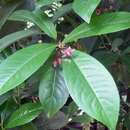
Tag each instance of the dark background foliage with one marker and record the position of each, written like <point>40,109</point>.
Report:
<point>107,49</point>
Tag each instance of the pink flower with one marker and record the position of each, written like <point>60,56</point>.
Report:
<point>67,52</point>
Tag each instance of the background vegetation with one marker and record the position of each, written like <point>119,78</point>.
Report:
<point>45,83</point>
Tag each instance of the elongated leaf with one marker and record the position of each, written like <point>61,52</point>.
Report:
<point>18,67</point>
<point>4,98</point>
<point>92,88</point>
<point>11,38</point>
<point>53,92</point>
<point>9,106</point>
<point>72,109</point>
<point>62,11</point>
<point>41,3</point>
<point>6,11</point>
<point>103,24</point>
<point>29,126</point>
<point>24,114</point>
<point>85,8</point>
<point>37,18</point>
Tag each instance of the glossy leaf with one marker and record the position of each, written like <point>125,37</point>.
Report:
<point>38,18</point>
<point>85,8</point>
<point>24,114</point>
<point>62,11</point>
<point>41,3</point>
<point>92,88</point>
<point>6,11</point>
<point>53,92</point>
<point>11,38</point>
<point>19,66</point>
<point>103,24</point>
<point>7,108</point>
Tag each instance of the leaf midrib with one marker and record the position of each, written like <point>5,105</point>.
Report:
<point>33,18</point>
<point>29,112</point>
<point>93,28</point>
<point>22,65</point>
<point>90,88</point>
<point>41,22</point>
<point>53,87</point>
<point>18,34</point>
<point>3,19</point>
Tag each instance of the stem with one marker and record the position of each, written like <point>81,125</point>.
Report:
<point>18,95</point>
<point>2,126</point>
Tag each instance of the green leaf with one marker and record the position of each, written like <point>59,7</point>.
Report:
<point>85,8</point>
<point>38,18</point>
<point>29,126</point>
<point>72,109</point>
<point>92,88</point>
<point>4,98</point>
<point>103,24</point>
<point>62,11</point>
<point>11,38</point>
<point>82,119</point>
<point>6,11</point>
<point>19,66</point>
<point>8,107</point>
<point>25,114</point>
<point>41,3</point>
<point>55,91</point>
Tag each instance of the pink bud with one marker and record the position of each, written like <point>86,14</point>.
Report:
<point>68,52</point>
<point>55,63</point>
<point>59,61</point>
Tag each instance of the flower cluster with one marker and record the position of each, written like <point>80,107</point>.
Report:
<point>67,53</point>
<point>62,53</point>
